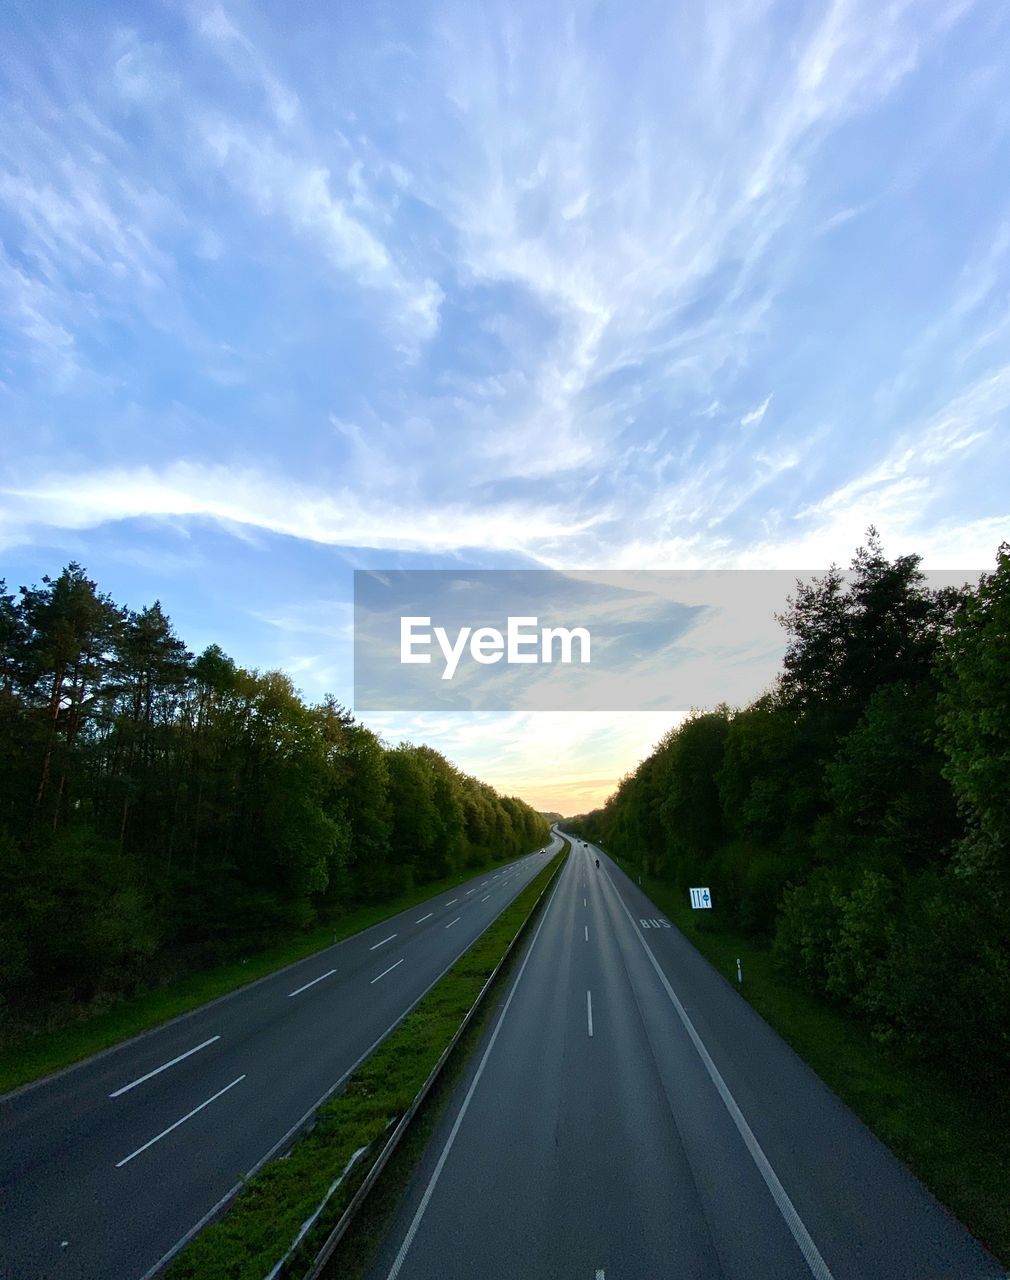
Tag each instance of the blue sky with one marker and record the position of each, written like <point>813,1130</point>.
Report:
<point>291,289</point>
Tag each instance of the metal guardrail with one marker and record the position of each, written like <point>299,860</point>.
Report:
<point>393,1141</point>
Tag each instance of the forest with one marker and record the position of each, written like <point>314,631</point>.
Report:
<point>160,811</point>
<point>857,816</point>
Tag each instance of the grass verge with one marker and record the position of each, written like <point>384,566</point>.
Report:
<point>30,1056</point>
<point>955,1144</point>
<point>247,1242</point>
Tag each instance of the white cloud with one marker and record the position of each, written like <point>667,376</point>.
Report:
<point>249,500</point>
<point>245,60</point>
<point>302,191</point>
<point>756,415</point>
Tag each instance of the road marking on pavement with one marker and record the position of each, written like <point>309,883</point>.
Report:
<point>453,903</point>
<point>189,1116</point>
<point>164,1067</point>
<point>155,1271</point>
<point>587,933</point>
<point>429,1190</point>
<point>589,1010</point>
<point>423,918</point>
<point>600,1274</point>
<point>452,922</point>
<point>385,971</point>
<point>583,902</point>
<point>299,991</point>
<point>484,882</point>
<point>383,942</point>
<point>485,897</point>
<point>468,892</point>
<point>817,1265</point>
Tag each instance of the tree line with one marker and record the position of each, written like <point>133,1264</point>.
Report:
<point>857,816</point>
<point>160,810</point>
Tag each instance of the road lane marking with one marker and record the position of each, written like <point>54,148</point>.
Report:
<point>383,942</point>
<point>189,1116</point>
<point>484,883</point>
<point>587,933</point>
<point>589,1010</point>
<point>583,902</point>
<point>164,1067</point>
<point>452,922</point>
<point>155,1271</point>
<point>423,918</point>
<point>468,892</point>
<point>453,903</point>
<point>485,897</point>
<point>299,991</point>
<point>389,970</point>
<point>429,1190</point>
<point>817,1265</point>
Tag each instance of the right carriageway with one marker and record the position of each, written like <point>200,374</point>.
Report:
<point>627,1114</point>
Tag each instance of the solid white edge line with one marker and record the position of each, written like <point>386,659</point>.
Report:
<point>389,970</point>
<point>408,1239</point>
<point>794,1222</point>
<point>299,990</point>
<point>383,942</point>
<point>589,1011</point>
<point>423,918</point>
<point>452,922</point>
<point>165,1132</point>
<point>164,1067</point>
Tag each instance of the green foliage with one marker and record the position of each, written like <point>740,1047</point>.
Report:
<point>859,812</point>
<point>975,703</point>
<point>159,811</point>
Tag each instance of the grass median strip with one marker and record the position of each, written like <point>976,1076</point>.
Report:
<point>27,1055</point>
<point>957,1146</point>
<point>268,1214</point>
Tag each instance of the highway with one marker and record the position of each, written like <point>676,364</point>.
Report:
<point>108,1167</point>
<point>628,1116</point>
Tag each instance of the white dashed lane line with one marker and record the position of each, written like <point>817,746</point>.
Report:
<point>298,990</point>
<point>164,1067</point>
<point>385,971</point>
<point>165,1132</point>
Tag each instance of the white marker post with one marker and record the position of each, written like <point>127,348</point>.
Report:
<point>739,970</point>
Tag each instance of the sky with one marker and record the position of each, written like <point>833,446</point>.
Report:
<point>289,290</point>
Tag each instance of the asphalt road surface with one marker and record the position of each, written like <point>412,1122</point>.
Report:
<point>628,1116</point>
<point>105,1169</point>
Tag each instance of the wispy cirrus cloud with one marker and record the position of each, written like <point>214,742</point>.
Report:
<point>251,500</point>
<point>718,285</point>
